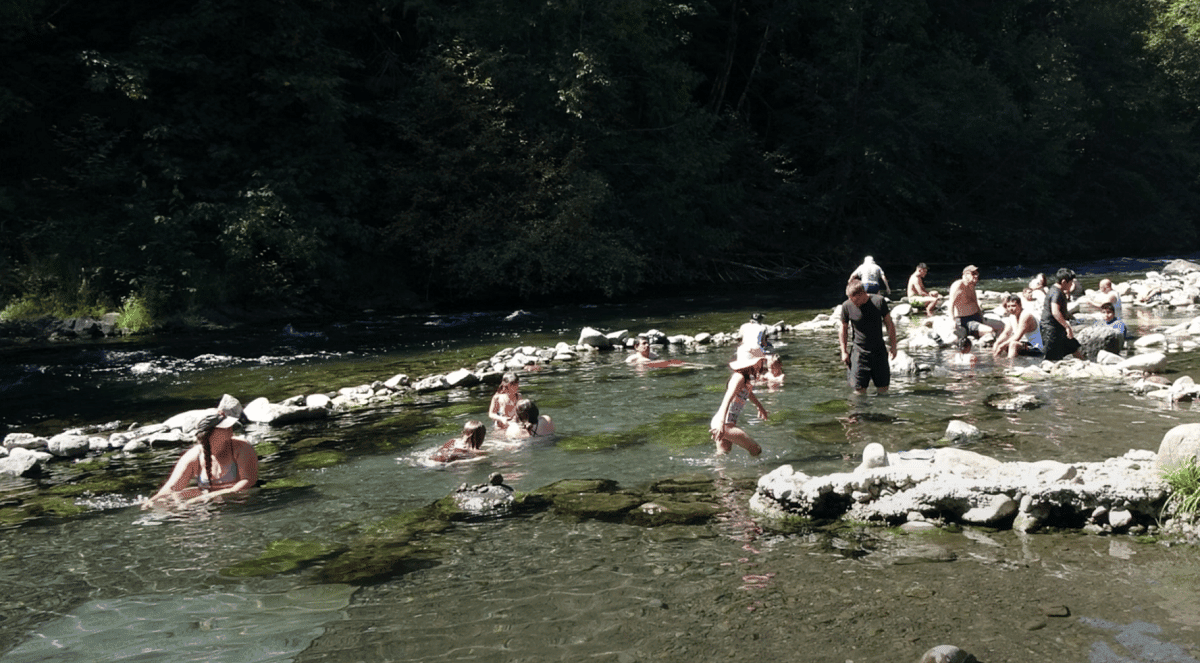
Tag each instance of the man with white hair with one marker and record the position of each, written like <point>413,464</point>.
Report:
<point>871,276</point>
<point>1106,295</point>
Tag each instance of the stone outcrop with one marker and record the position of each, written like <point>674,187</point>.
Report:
<point>952,485</point>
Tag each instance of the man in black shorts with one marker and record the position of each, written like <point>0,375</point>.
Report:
<point>867,357</point>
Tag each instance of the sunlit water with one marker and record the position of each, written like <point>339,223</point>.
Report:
<point>126,584</point>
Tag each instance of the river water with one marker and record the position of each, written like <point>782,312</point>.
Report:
<point>119,583</point>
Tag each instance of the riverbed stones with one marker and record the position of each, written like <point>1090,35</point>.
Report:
<point>594,338</point>
<point>956,485</point>
<point>1148,362</point>
<point>262,411</point>
<point>484,500</point>
<point>1013,402</point>
<point>1178,445</point>
<point>24,441</point>
<point>67,445</point>
<point>960,431</point>
<point>22,462</point>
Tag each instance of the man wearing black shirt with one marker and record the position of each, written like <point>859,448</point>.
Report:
<point>867,357</point>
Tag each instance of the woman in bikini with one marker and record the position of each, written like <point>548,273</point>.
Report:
<point>724,428</point>
<point>216,453</point>
<point>504,402</point>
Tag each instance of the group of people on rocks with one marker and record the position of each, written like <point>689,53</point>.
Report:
<point>864,316</point>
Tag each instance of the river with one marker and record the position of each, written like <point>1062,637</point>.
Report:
<point>118,583</point>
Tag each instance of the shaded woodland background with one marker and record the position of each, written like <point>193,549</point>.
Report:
<point>319,153</point>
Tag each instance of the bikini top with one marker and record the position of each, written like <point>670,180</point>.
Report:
<point>230,476</point>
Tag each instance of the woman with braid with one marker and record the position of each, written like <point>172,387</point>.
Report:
<point>219,463</point>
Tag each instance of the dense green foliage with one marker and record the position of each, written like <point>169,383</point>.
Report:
<point>312,152</point>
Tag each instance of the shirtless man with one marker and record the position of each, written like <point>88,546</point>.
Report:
<point>918,295</point>
<point>1021,335</point>
<point>1106,295</point>
<point>964,305</point>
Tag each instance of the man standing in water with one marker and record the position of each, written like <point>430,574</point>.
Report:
<point>866,359</point>
<point>964,306</point>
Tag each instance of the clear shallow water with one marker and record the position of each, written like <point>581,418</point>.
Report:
<point>122,584</point>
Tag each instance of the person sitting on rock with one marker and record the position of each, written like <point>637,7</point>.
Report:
<point>529,422</point>
<point>220,463</point>
<point>918,295</point>
<point>1106,295</point>
<point>464,447</point>
<point>1021,334</point>
<point>1111,319</point>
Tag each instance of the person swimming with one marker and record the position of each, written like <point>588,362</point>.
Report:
<point>464,447</point>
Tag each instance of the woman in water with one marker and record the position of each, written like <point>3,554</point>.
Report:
<point>504,402</point>
<point>724,428</point>
<point>529,422</point>
<point>464,447</point>
<point>216,453</point>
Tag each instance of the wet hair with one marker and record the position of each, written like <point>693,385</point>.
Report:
<point>474,432</point>
<point>854,287</point>
<point>757,317</point>
<point>204,437</point>
<point>964,345</point>
<point>507,379</point>
<point>528,415</point>
<point>1064,274</point>
<point>1108,307</point>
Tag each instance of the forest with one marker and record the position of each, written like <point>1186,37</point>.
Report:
<point>322,153</point>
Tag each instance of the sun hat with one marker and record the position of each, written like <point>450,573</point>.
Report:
<point>231,407</point>
<point>970,269</point>
<point>213,419</point>
<point>747,357</point>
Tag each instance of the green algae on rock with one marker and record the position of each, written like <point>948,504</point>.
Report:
<point>281,556</point>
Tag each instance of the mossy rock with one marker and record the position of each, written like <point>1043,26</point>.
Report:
<point>658,512</point>
<point>551,403</point>
<point>409,421</point>
<point>680,437</point>
<point>596,506</point>
<point>688,483</point>
<point>569,486</point>
<point>100,484</point>
<point>835,406</point>
<point>287,483</point>
<point>379,562</point>
<point>459,409</point>
<point>280,557</point>
<point>782,417</point>
<point>311,443</point>
<point>823,432</point>
<point>602,441</point>
<point>264,449</point>
<point>40,506</point>
<point>318,460</point>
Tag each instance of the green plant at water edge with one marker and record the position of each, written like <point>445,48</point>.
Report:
<point>1184,481</point>
<point>135,315</point>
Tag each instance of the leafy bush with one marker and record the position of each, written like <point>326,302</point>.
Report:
<point>135,315</point>
<point>1184,480</point>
